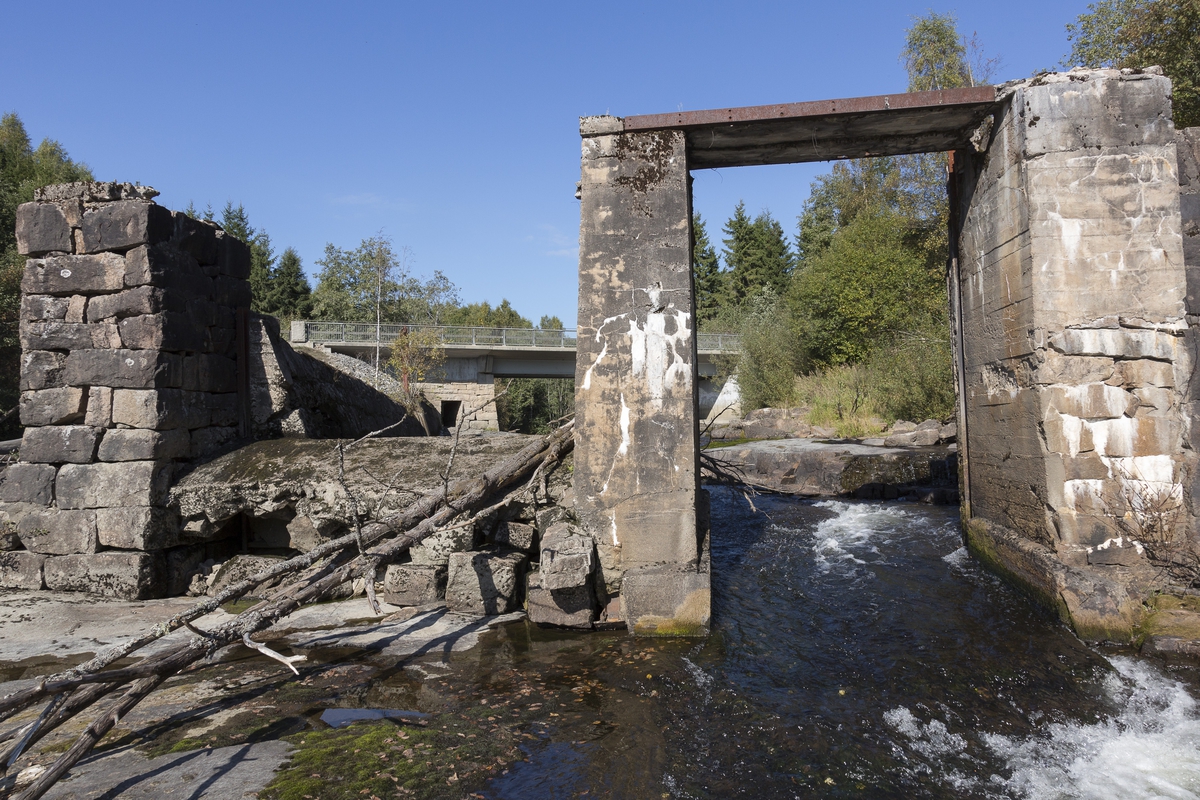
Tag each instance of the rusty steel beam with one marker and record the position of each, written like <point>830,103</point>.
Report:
<point>815,108</point>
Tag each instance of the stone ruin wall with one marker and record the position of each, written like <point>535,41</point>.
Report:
<point>129,319</point>
<point>1077,343</point>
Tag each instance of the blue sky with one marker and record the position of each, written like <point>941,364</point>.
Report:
<point>450,127</point>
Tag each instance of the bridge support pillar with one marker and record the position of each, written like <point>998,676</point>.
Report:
<point>636,459</point>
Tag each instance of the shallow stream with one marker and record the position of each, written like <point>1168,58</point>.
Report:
<point>857,651</point>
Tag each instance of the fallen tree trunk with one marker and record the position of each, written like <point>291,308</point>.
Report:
<point>328,567</point>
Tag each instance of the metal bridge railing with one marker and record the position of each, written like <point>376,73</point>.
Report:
<point>462,336</point>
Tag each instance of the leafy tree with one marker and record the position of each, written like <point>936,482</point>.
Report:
<point>706,274</point>
<point>548,323</point>
<point>934,54</point>
<point>415,355</point>
<point>770,356</point>
<point>289,296</point>
<point>1141,33</point>
<point>482,315</point>
<point>351,281</point>
<point>757,254</point>
<point>23,169</point>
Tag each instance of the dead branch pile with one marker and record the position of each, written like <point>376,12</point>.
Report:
<point>312,576</point>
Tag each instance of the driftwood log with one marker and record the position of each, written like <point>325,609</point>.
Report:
<point>313,576</point>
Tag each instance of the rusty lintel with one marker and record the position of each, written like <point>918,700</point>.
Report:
<point>814,108</point>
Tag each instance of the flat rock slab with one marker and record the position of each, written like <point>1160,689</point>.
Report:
<point>434,632</point>
<point>829,469</point>
<point>224,773</point>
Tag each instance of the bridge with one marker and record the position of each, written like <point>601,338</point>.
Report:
<point>476,356</point>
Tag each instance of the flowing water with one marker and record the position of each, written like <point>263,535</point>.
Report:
<point>857,651</point>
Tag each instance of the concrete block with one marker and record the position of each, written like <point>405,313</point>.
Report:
<point>128,576</point>
<point>1117,552</point>
<point>1129,344</point>
<point>27,483</point>
<point>42,228</point>
<point>41,369</point>
<point>568,558</point>
<point>1140,372</point>
<point>53,406</point>
<point>144,445</point>
<point>1099,111</point>
<point>1090,400</point>
<point>414,585</point>
<point>562,608</point>
<point>99,407</point>
<point>128,483</point>
<point>59,532</point>
<point>133,302</point>
<point>485,582</point>
<point>196,237</point>
<point>57,444</point>
<point>43,308</point>
<point>68,335</point>
<point>123,369</point>
<point>163,331</point>
<point>21,569</point>
<point>65,275</point>
<point>666,601</point>
<point>126,224</point>
<point>515,535</point>
<point>1142,436</point>
<point>156,409</point>
<point>137,528</point>
<point>233,256</point>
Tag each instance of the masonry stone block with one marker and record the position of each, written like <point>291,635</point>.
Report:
<point>126,224</point>
<point>414,584</point>
<point>68,336</point>
<point>144,445</point>
<point>196,237</point>
<point>123,368</point>
<point>485,582</point>
<point>57,444</point>
<point>163,331</point>
<point>232,292</point>
<point>53,406</point>
<point>82,274</point>
<point>222,409</point>
<point>435,550</point>
<point>562,608</point>
<point>99,407</point>
<point>21,569</point>
<point>568,558</point>
<point>137,528</point>
<point>1091,400</point>
<point>59,532</point>
<point>43,307</point>
<point>213,439</point>
<point>1141,372</point>
<point>516,535</point>
<point>233,256</point>
<point>158,409</point>
<point>1117,343</point>
<point>42,228</point>
<point>41,369</point>
<point>124,575</point>
<point>210,372</point>
<point>115,485</point>
<point>167,268</point>
<point>134,302</point>
<point>27,483</point>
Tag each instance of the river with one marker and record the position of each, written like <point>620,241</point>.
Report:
<point>857,651</point>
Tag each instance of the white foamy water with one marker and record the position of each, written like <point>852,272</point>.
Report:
<point>854,533</point>
<point>1149,748</point>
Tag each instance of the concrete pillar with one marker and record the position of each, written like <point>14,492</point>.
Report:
<point>1073,300</point>
<point>636,475</point>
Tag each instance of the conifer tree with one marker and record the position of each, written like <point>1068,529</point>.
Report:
<point>706,274</point>
<point>290,296</point>
<point>757,254</point>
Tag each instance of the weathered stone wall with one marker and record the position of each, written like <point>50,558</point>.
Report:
<point>1187,149</point>
<point>1073,303</point>
<point>128,370</point>
<point>470,396</point>
<point>636,476</point>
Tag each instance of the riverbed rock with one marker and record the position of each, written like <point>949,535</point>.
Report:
<point>239,568</point>
<point>414,584</point>
<point>516,536</point>
<point>568,558</point>
<point>129,576</point>
<point>485,582</point>
<point>918,438</point>
<point>21,569</point>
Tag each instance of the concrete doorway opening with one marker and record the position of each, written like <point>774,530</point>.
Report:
<point>1068,305</point>
<point>450,409</point>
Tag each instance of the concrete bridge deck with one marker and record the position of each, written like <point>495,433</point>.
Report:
<point>503,352</point>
